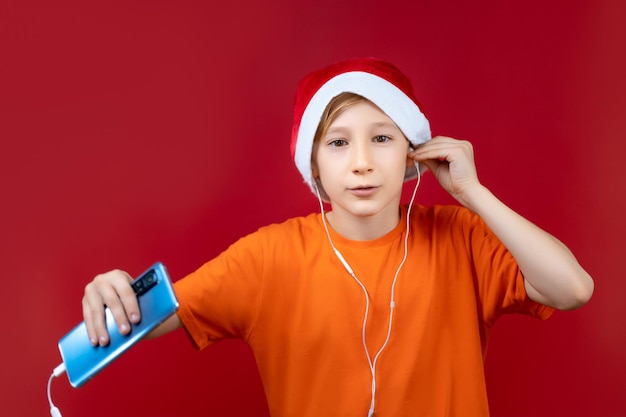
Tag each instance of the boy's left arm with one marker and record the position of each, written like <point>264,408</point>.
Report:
<point>552,274</point>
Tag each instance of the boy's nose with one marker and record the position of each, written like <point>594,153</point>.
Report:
<point>361,158</point>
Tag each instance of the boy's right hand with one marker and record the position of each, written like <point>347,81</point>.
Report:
<point>112,290</point>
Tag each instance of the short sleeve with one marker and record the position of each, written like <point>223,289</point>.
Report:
<point>499,280</point>
<point>220,299</point>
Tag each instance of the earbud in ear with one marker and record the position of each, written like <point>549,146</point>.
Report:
<point>417,166</point>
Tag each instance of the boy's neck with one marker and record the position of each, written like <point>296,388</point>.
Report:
<point>366,227</point>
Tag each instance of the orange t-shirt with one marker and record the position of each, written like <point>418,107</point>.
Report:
<point>284,291</point>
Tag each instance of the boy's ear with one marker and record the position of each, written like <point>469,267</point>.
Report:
<point>410,162</point>
<point>315,170</point>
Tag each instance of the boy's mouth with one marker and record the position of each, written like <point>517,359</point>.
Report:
<point>363,190</point>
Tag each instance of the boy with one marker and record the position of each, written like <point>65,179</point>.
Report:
<point>372,308</point>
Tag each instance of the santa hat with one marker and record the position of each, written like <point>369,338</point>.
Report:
<point>378,81</point>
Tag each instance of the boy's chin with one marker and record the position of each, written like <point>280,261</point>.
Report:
<point>367,209</point>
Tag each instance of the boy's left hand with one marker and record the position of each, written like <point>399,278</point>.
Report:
<point>452,163</point>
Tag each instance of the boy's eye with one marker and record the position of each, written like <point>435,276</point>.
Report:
<point>381,138</point>
<point>337,143</point>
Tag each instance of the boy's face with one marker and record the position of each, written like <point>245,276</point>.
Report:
<point>361,161</point>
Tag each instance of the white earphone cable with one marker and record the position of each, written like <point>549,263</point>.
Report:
<point>392,303</point>
<point>54,411</point>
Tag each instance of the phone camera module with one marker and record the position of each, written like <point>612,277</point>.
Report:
<point>144,283</point>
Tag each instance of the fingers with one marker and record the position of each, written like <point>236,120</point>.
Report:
<point>110,290</point>
<point>452,163</point>
<point>444,154</point>
<point>443,149</point>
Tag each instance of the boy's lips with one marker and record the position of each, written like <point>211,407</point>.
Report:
<point>364,190</point>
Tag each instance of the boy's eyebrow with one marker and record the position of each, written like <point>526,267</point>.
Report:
<point>341,129</point>
<point>384,124</point>
<point>335,129</point>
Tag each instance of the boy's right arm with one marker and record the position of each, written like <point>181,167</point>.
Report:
<point>113,290</point>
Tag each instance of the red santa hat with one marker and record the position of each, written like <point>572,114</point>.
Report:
<point>378,81</point>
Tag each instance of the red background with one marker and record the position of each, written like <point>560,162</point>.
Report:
<point>136,131</point>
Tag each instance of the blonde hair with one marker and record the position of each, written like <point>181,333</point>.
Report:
<point>335,107</point>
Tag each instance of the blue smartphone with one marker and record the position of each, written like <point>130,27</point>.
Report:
<point>157,302</point>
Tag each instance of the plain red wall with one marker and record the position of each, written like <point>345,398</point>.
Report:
<point>136,131</point>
